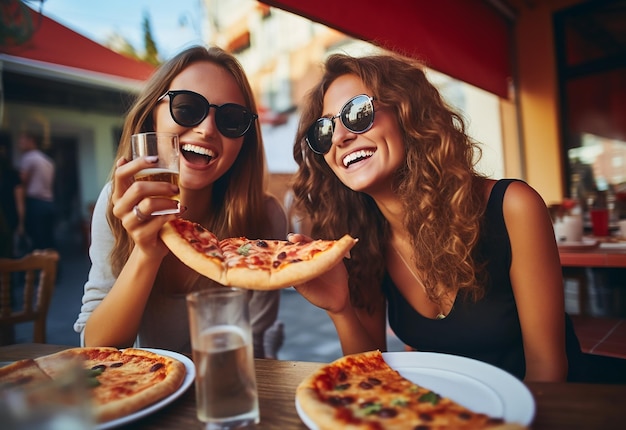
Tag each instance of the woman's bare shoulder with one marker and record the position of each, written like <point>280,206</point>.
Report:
<point>526,214</point>
<point>521,197</point>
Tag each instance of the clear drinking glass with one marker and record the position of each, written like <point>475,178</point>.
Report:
<point>221,339</point>
<point>166,147</point>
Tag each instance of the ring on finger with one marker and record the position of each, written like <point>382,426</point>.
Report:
<point>140,215</point>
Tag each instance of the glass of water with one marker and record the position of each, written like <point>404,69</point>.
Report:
<point>221,339</point>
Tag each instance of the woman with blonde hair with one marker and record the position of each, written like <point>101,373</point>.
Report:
<point>456,262</point>
<point>136,289</point>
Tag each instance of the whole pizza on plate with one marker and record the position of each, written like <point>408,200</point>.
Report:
<point>361,391</point>
<point>258,264</point>
<point>120,382</point>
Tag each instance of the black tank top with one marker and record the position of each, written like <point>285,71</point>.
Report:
<point>487,330</point>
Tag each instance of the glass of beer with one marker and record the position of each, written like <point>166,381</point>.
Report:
<point>165,146</point>
<point>221,339</point>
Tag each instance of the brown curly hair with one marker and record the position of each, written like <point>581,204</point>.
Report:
<point>438,185</point>
<point>237,206</point>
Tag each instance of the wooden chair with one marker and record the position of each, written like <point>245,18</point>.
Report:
<point>26,287</point>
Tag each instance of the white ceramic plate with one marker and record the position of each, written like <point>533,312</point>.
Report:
<point>613,245</point>
<point>474,384</point>
<point>189,378</point>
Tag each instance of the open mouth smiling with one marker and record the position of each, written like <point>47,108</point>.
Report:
<point>197,154</point>
<point>357,156</point>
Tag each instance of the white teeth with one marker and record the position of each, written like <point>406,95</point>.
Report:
<point>350,158</point>
<point>198,150</point>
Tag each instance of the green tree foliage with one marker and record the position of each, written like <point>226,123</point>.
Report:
<point>16,22</point>
<point>123,46</point>
<point>151,54</point>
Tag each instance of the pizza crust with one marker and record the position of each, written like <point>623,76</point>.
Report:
<point>210,267</point>
<point>186,240</point>
<point>23,373</point>
<point>323,414</point>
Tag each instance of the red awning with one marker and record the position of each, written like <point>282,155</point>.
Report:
<point>466,39</point>
<point>57,45</point>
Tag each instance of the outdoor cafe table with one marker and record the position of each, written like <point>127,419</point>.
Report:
<point>559,405</point>
<point>605,255</point>
<point>575,262</point>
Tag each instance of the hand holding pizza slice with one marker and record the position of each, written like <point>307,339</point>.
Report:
<point>256,264</point>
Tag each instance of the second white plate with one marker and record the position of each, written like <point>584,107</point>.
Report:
<point>474,384</point>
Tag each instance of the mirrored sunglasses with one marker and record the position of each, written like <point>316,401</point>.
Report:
<point>190,109</point>
<point>357,115</point>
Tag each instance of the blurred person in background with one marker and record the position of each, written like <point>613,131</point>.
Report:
<point>11,206</point>
<point>37,174</point>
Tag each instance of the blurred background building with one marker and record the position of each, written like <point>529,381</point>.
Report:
<point>556,103</point>
<point>283,52</point>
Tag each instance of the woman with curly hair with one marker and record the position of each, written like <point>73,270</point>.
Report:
<point>135,293</point>
<point>462,264</point>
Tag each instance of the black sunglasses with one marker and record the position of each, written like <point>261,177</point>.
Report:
<point>357,115</point>
<point>190,109</point>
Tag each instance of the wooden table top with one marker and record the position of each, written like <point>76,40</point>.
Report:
<point>559,405</point>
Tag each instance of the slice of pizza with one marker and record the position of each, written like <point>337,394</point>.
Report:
<point>121,381</point>
<point>361,391</point>
<point>22,374</point>
<point>256,264</point>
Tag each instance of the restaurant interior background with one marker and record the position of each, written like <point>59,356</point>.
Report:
<point>543,83</point>
<point>555,68</point>
<point>590,44</point>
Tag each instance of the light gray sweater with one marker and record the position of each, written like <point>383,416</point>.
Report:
<point>165,323</point>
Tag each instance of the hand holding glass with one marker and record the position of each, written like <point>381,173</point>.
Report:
<point>164,146</point>
<point>221,339</point>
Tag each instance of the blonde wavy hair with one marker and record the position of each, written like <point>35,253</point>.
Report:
<point>237,206</point>
<point>438,186</point>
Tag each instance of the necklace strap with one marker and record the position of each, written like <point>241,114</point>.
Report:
<point>440,315</point>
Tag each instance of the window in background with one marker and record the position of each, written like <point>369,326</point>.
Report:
<point>591,60</point>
